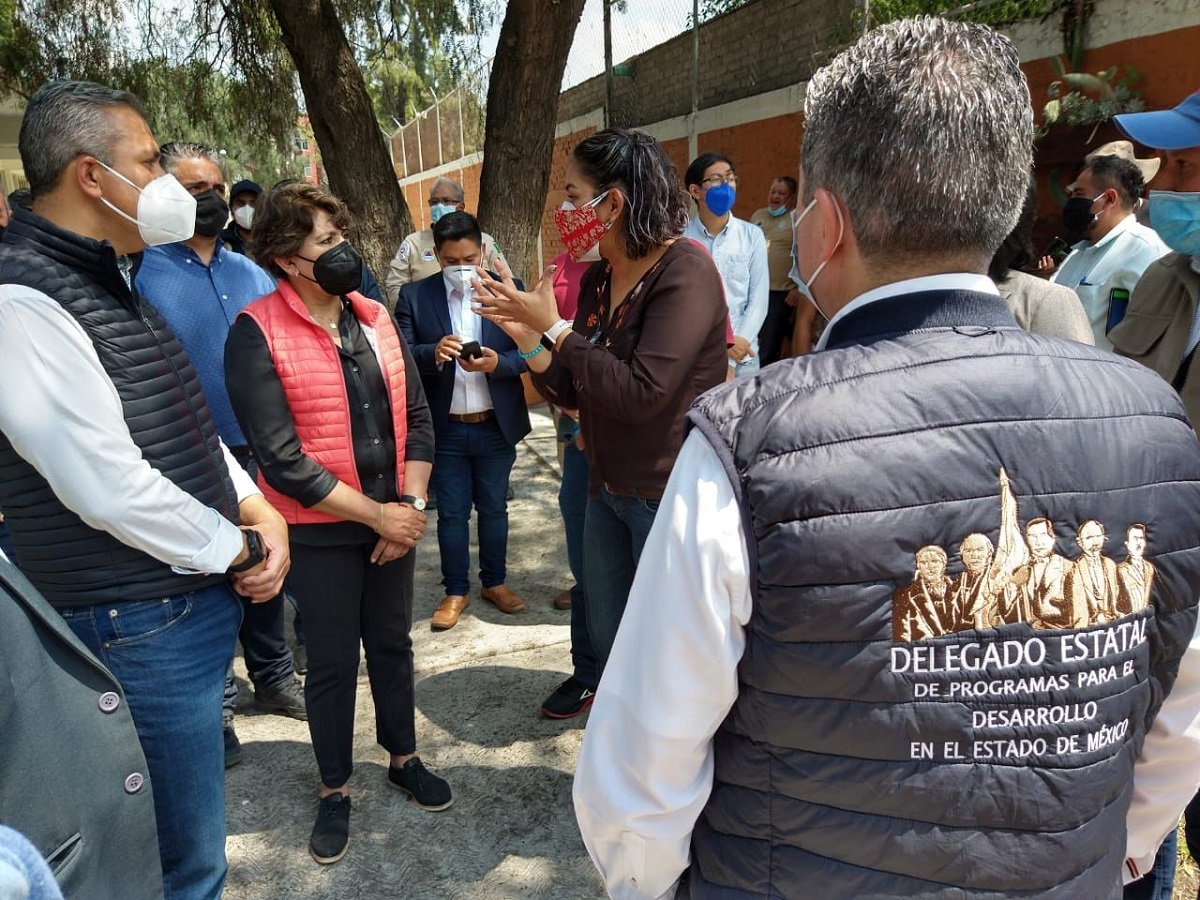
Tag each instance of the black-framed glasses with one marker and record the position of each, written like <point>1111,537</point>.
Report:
<point>714,180</point>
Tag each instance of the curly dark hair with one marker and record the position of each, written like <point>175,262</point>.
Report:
<point>635,164</point>
<point>283,219</point>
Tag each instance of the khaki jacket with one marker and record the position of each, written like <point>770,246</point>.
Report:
<point>1155,329</point>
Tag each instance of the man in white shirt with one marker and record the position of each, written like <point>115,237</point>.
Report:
<point>739,250</point>
<point>416,257</point>
<point>1113,249</point>
<point>471,371</point>
<point>123,503</point>
<point>759,729</point>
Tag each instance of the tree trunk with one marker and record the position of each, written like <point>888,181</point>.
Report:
<point>522,113</point>
<point>352,146</point>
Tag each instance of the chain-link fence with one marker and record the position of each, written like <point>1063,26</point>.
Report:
<point>450,129</point>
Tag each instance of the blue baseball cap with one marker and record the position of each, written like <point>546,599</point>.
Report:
<point>1165,129</point>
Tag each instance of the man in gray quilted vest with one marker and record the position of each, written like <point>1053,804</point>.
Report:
<point>762,730</point>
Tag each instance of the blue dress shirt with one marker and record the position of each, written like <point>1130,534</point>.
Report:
<point>200,302</point>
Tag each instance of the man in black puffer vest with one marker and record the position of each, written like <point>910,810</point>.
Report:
<point>123,504</point>
<point>766,726</point>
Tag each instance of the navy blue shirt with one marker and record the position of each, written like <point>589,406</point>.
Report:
<point>200,302</point>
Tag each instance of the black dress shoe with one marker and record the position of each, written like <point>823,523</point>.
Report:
<point>331,833</point>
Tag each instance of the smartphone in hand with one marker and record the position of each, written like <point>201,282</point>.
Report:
<point>470,350</point>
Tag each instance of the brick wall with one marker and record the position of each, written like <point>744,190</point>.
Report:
<point>761,151</point>
<point>742,53</point>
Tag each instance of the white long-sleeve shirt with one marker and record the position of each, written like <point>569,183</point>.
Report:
<point>646,766</point>
<point>63,415</point>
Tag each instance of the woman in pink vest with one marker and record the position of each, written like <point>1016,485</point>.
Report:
<point>318,376</point>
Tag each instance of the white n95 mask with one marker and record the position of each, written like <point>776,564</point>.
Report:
<point>166,212</point>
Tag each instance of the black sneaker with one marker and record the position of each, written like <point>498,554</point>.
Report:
<point>428,790</point>
<point>233,747</point>
<point>287,699</point>
<point>571,699</point>
<point>331,833</point>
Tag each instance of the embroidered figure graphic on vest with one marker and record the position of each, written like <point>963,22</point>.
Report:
<point>1022,579</point>
<point>1092,582</point>
<point>919,608</point>
<point>1045,588</point>
<point>1135,574</point>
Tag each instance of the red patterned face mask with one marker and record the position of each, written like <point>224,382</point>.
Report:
<point>580,229</point>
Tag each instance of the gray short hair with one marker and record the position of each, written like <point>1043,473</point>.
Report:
<point>177,151</point>
<point>924,129</point>
<point>458,188</point>
<point>64,120</point>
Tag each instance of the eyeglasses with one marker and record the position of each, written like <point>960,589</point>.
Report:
<point>714,180</point>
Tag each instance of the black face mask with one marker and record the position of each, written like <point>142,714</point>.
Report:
<point>1077,215</point>
<point>212,213</point>
<point>338,270</point>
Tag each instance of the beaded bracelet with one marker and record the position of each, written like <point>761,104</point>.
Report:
<point>531,354</point>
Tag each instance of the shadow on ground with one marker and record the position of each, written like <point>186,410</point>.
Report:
<point>511,833</point>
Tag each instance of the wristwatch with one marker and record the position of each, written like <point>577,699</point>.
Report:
<point>254,548</point>
<point>555,331</point>
<point>417,503</point>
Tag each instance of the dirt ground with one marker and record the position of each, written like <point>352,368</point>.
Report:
<point>511,832</point>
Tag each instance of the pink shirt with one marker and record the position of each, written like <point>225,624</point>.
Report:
<point>565,280</point>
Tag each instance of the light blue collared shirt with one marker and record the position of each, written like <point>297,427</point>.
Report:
<point>740,253</point>
<point>200,302</point>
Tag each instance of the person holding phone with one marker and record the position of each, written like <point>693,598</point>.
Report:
<point>471,371</point>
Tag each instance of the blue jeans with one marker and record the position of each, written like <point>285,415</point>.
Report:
<point>572,503</point>
<point>170,657</point>
<point>1159,882</point>
<point>471,466</point>
<point>614,531</point>
<point>749,367</point>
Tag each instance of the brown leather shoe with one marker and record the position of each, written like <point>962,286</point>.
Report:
<point>505,598</point>
<point>448,611</point>
<point>563,600</point>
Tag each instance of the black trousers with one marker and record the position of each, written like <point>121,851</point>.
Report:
<point>775,327</point>
<point>345,600</point>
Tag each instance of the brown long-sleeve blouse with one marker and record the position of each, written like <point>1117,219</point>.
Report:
<point>633,376</point>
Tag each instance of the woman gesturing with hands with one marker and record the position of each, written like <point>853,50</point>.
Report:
<point>648,338</point>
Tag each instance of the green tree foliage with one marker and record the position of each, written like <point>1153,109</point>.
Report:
<point>218,72</point>
<point>180,68</point>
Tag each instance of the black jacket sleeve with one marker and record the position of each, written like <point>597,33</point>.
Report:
<point>262,410</point>
<point>419,445</point>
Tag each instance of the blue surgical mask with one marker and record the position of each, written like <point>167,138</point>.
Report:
<point>806,286</point>
<point>1175,215</point>
<point>777,212</point>
<point>719,198</point>
<point>440,209</point>
<point>794,274</point>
